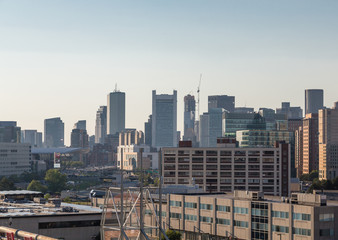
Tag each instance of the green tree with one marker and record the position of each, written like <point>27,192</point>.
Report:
<point>313,175</point>
<point>172,235</point>
<point>6,184</point>
<point>47,196</point>
<point>36,185</point>
<point>56,181</point>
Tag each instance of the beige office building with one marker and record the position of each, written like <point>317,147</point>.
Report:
<point>227,168</point>
<point>249,215</point>
<point>328,143</point>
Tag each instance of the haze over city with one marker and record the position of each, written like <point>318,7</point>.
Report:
<point>62,58</point>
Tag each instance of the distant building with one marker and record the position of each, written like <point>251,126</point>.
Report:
<point>15,158</point>
<point>229,168</point>
<point>148,131</point>
<point>310,143</point>
<point>212,127</point>
<point>9,132</point>
<point>32,137</point>
<point>189,118</point>
<point>54,132</point>
<point>262,138</point>
<point>299,151</point>
<point>244,110</point>
<point>116,112</point>
<point>314,100</point>
<point>164,120</point>
<point>222,101</point>
<point>131,137</point>
<point>79,139</point>
<point>291,112</point>
<point>81,124</point>
<point>328,142</point>
<point>101,124</point>
<point>243,121</point>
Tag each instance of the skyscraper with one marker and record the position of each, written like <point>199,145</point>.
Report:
<point>189,118</point>
<point>212,126</point>
<point>81,124</point>
<point>116,112</point>
<point>101,124</point>
<point>222,101</point>
<point>164,120</point>
<point>310,143</point>
<point>54,132</point>
<point>290,112</point>
<point>32,137</point>
<point>147,131</point>
<point>79,138</point>
<point>328,142</point>
<point>314,100</point>
<point>9,132</point>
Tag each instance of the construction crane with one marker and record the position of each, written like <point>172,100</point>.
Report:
<point>198,96</point>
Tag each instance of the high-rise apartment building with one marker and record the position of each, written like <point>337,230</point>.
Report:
<point>314,100</point>
<point>328,142</point>
<point>101,124</point>
<point>222,101</point>
<point>54,132</point>
<point>164,120</point>
<point>32,137</point>
<point>116,112</point>
<point>189,118</point>
<point>310,143</point>
<point>9,132</point>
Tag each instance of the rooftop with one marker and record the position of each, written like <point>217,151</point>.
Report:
<point>37,209</point>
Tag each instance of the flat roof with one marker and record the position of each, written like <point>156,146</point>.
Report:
<point>18,192</point>
<point>33,209</point>
<point>62,150</point>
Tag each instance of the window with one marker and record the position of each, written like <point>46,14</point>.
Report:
<point>241,224</point>
<point>329,232</point>
<point>282,229</point>
<point>259,226</point>
<point>190,205</point>
<point>69,224</point>
<point>301,216</point>
<point>175,203</point>
<point>190,217</point>
<point>148,212</point>
<point>222,221</point>
<point>301,231</point>
<point>206,219</point>
<point>326,217</point>
<point>259,212</point>
<point>278,214</point>
<point>175,215</point>
<point>222,208</point>
<point>205,206</point>
<point>240,210</point>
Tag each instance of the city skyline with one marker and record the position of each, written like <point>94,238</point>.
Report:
<point>65,66</point>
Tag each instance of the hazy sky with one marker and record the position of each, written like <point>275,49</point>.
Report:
<point>62,58</point>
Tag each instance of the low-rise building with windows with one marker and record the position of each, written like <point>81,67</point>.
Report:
<point>227,168</point>
<point>250,215</point>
